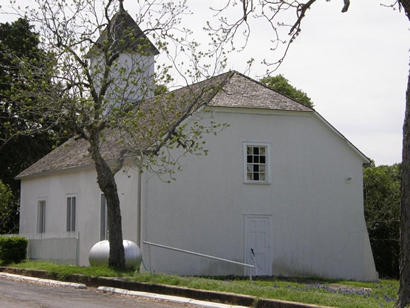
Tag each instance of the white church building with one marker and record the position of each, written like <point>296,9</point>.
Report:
<point>280,188</point>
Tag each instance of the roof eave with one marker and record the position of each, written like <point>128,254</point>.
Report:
<point>53,171</point>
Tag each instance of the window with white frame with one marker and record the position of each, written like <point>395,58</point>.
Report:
<point>103,219</point>
<point>256,163</point>
<point>71,212</point>
<point>41,216</point>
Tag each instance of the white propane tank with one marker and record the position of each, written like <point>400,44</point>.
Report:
<point>99,253</point>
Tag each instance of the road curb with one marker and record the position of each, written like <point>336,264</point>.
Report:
<point>205,295</point>
<point>171,298</point>
<point>44,281</point>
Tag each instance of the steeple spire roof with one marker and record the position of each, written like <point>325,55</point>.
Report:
<point>124,35</point>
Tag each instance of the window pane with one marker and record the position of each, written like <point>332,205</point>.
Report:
<point>68,213</point>
<point>73,208</point>
<point>71,213</point>
<point>256,163</point>
<point>41,216</point>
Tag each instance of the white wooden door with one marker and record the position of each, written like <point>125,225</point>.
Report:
<point>258,249</point>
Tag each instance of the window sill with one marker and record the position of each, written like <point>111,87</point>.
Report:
<point>257,182</point>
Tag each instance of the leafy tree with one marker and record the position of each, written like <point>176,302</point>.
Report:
<point>277,15</point>
<point>381,186</point>
<point>19,44</point>
<point>18,150</point>
<point>160,89</point>
<point>8,215</point>
<point>100,60</point>
<point>280,84</point>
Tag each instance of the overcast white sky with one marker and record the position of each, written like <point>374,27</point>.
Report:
<point>354,66</point>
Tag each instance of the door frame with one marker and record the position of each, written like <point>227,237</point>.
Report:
<point>245,231</point>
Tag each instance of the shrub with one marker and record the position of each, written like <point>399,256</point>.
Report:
<point>12,249</point>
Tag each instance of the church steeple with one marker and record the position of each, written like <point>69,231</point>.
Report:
<point>132,72</point>
<point>124,36</point>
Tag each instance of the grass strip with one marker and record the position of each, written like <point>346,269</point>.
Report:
<point>337,293</point>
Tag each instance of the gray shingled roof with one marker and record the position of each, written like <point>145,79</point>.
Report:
<point>244,92</point>
<point>125,35</point>
<point>232,90</point>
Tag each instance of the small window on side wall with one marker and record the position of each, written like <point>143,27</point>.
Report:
<point>71,213</point>
<point>41,216</point>
<point>256,163</point>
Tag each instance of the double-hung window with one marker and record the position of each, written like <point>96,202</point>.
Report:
<point>41,216</point>
<point>71,212</point>
<point>256,163</point>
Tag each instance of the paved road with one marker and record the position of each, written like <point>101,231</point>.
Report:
<point>17,294</point>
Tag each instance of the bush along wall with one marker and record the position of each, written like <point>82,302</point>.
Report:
<point>381,188</point>
<point>12,249</point>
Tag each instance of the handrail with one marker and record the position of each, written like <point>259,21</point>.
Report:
<point>202,255</point>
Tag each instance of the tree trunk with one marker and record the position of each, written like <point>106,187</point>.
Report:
<point>404,291</point>
<point>108,186</point>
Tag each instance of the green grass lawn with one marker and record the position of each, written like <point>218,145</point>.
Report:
<point>314,291</point>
